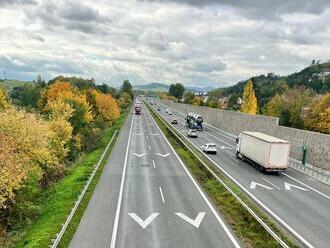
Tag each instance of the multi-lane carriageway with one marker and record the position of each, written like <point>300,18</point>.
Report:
<point>146,198</point>
<point>299,203</point>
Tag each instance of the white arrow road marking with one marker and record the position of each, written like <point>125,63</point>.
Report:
<point>254,184</point>
<point>139,155</point>
<point>138,133</point>
<point>289,185</point>
<point>143,223</point>
<point>163,155</point>
<point>196,222</point>
<point>154,134</point>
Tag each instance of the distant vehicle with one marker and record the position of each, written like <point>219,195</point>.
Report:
<point>170,113</point>
<point>158,109</point>
<point>265,152</point>
<point>137,109</point>
<point>192,133</point>
<point>167,111</point>
<point>209,148</point>
<point>194,121</point>
<point>174,121</point>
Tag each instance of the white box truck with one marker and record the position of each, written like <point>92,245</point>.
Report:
<point>265,152</point>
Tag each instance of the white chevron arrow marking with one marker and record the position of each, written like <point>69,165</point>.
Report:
<point>196,222</point>
<point>143,223</point>
<point>255,184</point>
<point>163,155</point>
<point>139,155</point>
<point>289,185</point>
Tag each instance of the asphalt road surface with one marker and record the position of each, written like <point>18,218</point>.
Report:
<point>146,198</point>
<point>300,203</point>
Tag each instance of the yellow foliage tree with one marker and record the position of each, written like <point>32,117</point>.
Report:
<point>125,100</point>
<point>60,98</point>
<point>318,118</point>
<point>196,101</point>
<point>3,101</point>
<point>25,144</point>
<point>275,106</point>
<point>249,105</point>
<point>107,107</point>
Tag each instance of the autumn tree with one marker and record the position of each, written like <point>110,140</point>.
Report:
<point>188,96</point>
<point>318,117</point>
<point>3,101</point>
<point>249,99</point>
<point>107,107</point>
<point>197,101</point>
<point>124,101</point>
<point>69,96</point>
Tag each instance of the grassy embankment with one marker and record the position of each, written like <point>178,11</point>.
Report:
<point>56,202</point>
<point>248,230</point>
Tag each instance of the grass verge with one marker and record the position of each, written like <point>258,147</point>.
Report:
<point>60,198</point>
<point>248,230</point>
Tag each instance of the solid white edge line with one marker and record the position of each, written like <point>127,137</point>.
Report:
<point>315,190</point>
<point>223,225</point>
<point>120,196</point>
<point>161,194</point>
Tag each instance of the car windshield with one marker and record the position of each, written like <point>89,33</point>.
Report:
<point>211,145</point>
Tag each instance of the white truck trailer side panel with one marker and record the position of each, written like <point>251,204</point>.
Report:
<point>279,154</point>
<point>255,149</point>
<point>270,152</point>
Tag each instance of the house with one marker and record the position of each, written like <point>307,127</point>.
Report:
<point>223,102</point>
<point>239,101</point>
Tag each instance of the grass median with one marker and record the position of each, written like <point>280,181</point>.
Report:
<point>247,229</point>
<point>57,201</point>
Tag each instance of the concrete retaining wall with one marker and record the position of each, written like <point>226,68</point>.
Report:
<point>318,145</point>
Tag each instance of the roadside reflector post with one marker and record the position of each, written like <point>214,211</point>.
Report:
<point>304,154</point>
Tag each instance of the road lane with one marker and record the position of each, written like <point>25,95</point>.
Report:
<point>306,211</point>
<point>160,205</point>
<point>155,195</point>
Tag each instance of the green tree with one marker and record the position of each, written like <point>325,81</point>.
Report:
<point>127,87</point>
<point>232,102</point>
<point>27,95</point>
<point>176,90</point>
<point>249,105</point>
<point>188,96</point>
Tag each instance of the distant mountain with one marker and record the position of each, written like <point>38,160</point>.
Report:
<point>200,89</point>
<point>165,87</point>
<point>152,87</point>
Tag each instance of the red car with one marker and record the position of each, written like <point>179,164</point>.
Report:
<point>174,121</point>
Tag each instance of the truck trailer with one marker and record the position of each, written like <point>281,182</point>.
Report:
<point>265,152</point>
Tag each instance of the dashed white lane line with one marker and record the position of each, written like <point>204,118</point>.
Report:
<point>161,194</point>
<point>270,183</point>
<point>147,137</point>
<point>153,164</point>
<point>234,159</point>
<point>149,147</point>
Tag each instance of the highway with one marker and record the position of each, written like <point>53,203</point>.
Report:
<point>300,203</point>
<point>146,198</point>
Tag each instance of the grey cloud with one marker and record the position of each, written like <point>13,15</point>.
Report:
<point>260,9</point>
<point>72,15</point>
<point>4,3</point>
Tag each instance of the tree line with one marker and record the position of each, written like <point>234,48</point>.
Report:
<point>44,128</point>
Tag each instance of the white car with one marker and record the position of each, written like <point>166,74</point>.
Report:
<point>192,133</point>
<point>209,148</point>
<point>167,111</point>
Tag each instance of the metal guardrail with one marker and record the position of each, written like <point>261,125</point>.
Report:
<point>58,236</point>
<point>317,173</point>
<point>255,215</point>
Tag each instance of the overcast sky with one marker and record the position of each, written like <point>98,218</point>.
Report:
<point>195,42</point>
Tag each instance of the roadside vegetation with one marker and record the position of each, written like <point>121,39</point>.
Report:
<point>247,229</point>
<point>300,100</point>
<point>51,135</point>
